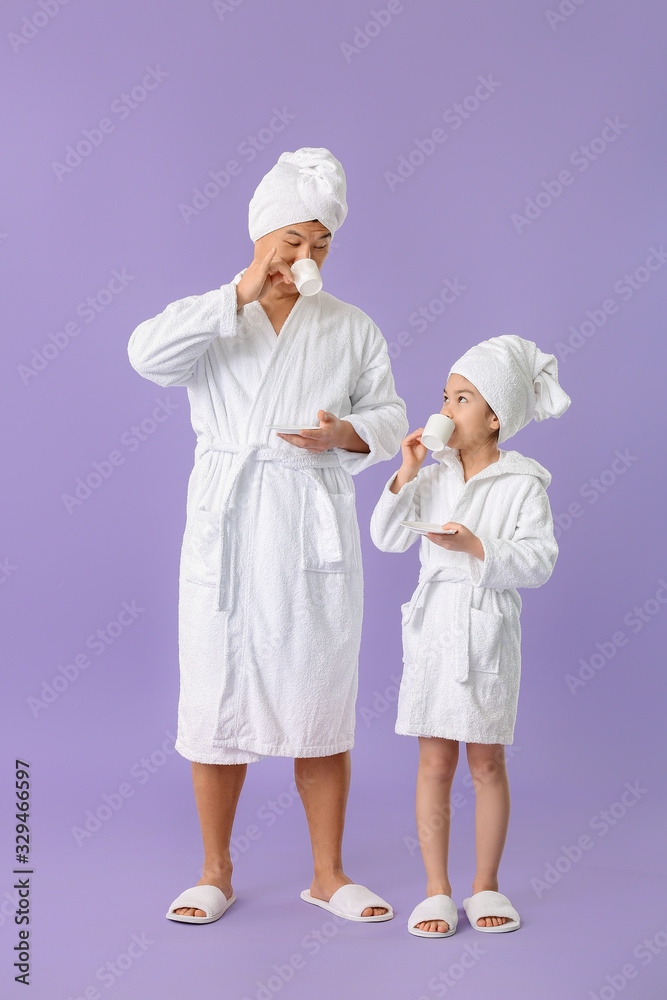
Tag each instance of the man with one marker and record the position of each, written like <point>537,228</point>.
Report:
<point>271,586</point>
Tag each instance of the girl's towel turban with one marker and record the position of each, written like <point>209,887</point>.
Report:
<point>518,381</point>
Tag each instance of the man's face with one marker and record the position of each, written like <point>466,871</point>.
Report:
<point>302,239</point>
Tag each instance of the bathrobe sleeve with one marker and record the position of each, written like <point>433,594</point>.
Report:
<point>528,558</point>
<point>387,534</point>
<point>378,413</point>
<point>167,348</point>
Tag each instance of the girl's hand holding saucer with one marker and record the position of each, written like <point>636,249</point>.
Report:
<point>463,541</point>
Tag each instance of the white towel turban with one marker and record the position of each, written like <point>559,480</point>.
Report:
<point>305,185</point>
<point>518,381</point>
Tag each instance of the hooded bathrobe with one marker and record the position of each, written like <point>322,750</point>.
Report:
<point>271,586</point>
<point>461,628</point>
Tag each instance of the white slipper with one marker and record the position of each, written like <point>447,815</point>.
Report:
<point>438,907</point>
<point>350,901</point>
<point>208,898</point>
<point>488,903</point>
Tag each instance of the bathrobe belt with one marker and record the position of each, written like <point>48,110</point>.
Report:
<point>455,631</point>
<point>306,462</point>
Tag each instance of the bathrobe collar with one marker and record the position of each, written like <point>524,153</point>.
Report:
<point>510,462</point>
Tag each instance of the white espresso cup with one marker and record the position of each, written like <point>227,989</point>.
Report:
<point>437,431</point>
<point>306,276</point>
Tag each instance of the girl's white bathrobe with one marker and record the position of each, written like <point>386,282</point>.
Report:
<point>461,628</point>
<point>271,586</point>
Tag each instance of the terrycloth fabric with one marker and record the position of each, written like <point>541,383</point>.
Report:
<point>438,907</point>
<point>271,586</point>
<point>305,185</point>
<point>208,898</point>
<point>489,903</point>
<point>350,901</point>
<point>461,628</point>
<point>518,381</point>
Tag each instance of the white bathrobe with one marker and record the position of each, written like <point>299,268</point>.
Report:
<point>461,628</point>
<point>271,585</point>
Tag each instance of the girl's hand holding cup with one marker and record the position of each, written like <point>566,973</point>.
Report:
<point>413,453</point>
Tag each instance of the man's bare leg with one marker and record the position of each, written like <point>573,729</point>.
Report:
<point>217,788</point>
<point>323,784</point>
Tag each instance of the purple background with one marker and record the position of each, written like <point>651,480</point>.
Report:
<point>65,575</point>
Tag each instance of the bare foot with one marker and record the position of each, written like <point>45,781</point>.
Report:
<point>441,926</point>
<point>488,921</point>
<point>209,877</point>
<point>325,886</point>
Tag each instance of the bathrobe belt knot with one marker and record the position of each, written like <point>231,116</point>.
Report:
<point>305,462</point>
<point>450,640</point>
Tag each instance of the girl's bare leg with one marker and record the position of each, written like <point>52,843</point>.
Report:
<point>217,788</point>
<point>323,784</point>
<point>492,813</point>
<point>438,759</point>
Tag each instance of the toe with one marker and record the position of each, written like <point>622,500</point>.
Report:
<point>374,911</point>
<point>441,926</point>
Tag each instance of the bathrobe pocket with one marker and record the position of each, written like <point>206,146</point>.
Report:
<point>200,548</point>
<point>485,640</point>
<point>321,528</point>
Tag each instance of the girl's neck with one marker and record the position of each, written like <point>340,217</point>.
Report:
<point>474,460</point>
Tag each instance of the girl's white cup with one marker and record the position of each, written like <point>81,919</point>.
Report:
<point>306,276</point>
<point>437,431</point>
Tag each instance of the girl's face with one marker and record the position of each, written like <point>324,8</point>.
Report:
<point>474,422</point>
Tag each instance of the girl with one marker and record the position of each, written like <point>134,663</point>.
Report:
<point>461,629</point>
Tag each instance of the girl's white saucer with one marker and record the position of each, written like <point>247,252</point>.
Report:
<point>423,528</point>
<point>294,429</point>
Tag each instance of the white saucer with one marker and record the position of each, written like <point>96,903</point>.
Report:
<point>285,429</point>
<point>423,528</point>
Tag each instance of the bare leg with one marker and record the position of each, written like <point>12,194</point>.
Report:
<point>438,759</point>
<point>217,788</point>
<point>323,784</point>
<point>492,813</point>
